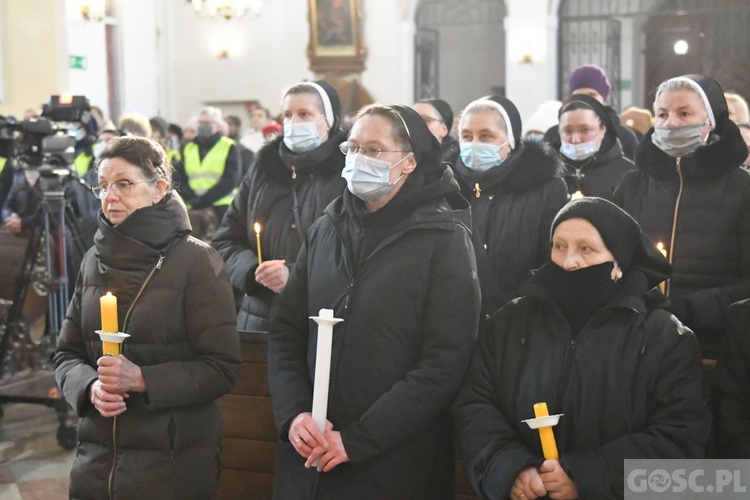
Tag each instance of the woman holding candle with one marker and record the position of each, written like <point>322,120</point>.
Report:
<point>591,338</point>
<point>689,192</point>
<point>393,258</point>
<point>149,425</point>
<point>295,177</point>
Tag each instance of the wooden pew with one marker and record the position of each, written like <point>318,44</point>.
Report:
<point>249,436</point>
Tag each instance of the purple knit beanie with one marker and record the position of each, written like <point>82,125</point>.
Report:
<point>590,76</point>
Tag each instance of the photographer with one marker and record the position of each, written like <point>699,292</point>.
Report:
<point>20,209</point>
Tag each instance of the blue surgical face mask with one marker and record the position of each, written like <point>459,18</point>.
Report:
<point>97,149</point>
<point>580,151</point>
<point>301,136</point>
<point>77,132</point>
<point>481,156</point>
<point>369,178</point>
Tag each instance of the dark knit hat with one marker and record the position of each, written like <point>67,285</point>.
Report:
<point>590,76</point>
<point>513,115</point>
<point>443,109</point>
<point>622,235</point>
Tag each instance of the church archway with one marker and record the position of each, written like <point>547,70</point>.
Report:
<point>459,50</point>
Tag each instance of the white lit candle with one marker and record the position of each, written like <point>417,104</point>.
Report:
<point>325,321</point>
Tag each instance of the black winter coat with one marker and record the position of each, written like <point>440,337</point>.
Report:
<point>175,301</point>
<point>512,206</point>
<point>731,389</point>
<point>410,304</point>
<point>285,198</point>
<point>699,207</point>
<point>628,386</point>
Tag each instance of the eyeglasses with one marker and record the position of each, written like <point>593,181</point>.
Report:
<point>120,188</point>
<point>350,148</point>
<point>429,119</point>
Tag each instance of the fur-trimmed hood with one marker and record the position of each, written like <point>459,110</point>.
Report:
<point>529,166</point>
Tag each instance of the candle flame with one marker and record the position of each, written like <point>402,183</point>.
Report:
<point>257,228</point>
<point>109,294</point>
<point>660,247</point>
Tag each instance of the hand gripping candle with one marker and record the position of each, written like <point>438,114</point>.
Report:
<point>110,336</point>
<point>544,423</point>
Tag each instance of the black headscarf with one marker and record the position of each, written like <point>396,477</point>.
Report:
<point>610,135</point>
<point>426,148</point>
<point>443,109</point>
<point>621,234</point>
<point>513,115</point>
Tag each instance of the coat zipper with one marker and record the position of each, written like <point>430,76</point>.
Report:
<point>477,189</point>
<point>125,328</point>
<point>294,172</point>
<point>674,223</point>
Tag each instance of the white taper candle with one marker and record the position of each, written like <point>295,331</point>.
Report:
<point>325,321</point>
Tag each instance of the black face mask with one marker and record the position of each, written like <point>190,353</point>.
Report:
<point>579,293</point>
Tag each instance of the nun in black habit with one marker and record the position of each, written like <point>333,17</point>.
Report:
<point>393,258</point>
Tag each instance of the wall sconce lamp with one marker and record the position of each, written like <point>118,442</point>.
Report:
<point>94,10</point>
<point>224,49</point>
<point>527,57</point>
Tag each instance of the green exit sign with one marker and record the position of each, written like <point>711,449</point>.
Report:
<point>79,62</point>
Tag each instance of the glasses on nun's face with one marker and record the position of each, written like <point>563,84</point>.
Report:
<point>351,148</point>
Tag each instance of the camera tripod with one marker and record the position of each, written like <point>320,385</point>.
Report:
<point>55,220</point>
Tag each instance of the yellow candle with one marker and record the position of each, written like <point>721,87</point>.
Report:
<point>549,447</point>
<point>257,242</point>
<point>108,305</point>
<point>663,284</point>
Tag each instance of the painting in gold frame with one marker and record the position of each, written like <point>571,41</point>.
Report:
<point>335,36</point>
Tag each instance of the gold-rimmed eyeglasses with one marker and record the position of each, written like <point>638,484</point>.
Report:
<point>350,148</point>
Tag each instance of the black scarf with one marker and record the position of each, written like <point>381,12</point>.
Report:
<point>579,293</point>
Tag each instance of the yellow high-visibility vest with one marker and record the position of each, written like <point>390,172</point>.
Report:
<point>203,175</point>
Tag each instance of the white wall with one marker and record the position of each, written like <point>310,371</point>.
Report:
<point>86,39</point>
<point>138,65</point>
<point>268,55</point>
<point>527,28</point>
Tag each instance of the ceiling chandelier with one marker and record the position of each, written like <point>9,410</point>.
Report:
<point>228,9</point>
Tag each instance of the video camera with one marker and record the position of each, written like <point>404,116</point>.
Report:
<point>40,143</point>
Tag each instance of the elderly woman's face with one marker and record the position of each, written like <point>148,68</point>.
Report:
<point>127,189</point>
<point>484,126</point>
<point>306,107</point>
<point>577,244</point>
<point>680,107</point>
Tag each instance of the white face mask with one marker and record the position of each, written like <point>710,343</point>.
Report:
<point>369,178</point>
<point>302,136</point>
<point>97,149</point>
<point>580,151</point>
<point>481,156</point>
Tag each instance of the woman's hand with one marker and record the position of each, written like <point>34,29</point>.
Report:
<point>106,403</point>
<point>305,436</point>
<point>558,484</point>
<point>119,375</point>
<point>330,457</point>
<point>272,274</point>
<point>528,485</point>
